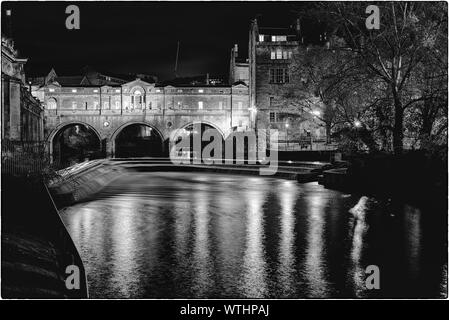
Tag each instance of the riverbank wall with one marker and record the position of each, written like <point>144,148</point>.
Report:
<point>36,247</point>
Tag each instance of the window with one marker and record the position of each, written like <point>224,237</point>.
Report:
<point>220,105</point>
<point>51,104</point>
<point>73,90</point>
<point>278,38</point>
<point>106,105</point>
<point>51,90</point>
<point>95,90</point>
<point>117,104</point>
<point>200,105</point>
<point>279,75</point>
<point>74,106</point>
<point>280,54</point>
<point>272,116</point>
<point>271,101</point>
<point>117,90</point>
<point>261,37</point>
<point>200,90</point>
<point>95,104</point>
<point>240,105</point>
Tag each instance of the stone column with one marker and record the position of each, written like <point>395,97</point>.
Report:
<point>109,148</point>
<point>15,111</point>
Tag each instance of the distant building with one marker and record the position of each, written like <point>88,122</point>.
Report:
<point>274,87</point>
<point>22,114</point>
<point>238,68</point>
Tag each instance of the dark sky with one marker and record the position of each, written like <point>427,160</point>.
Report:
<point>139,37</point>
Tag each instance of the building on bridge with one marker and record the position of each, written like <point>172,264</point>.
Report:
<point>113,110</point>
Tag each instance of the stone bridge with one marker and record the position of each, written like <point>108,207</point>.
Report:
<point>107,124</point>
<point>108,110</point>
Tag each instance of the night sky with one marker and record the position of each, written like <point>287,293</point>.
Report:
<point>139,37</point>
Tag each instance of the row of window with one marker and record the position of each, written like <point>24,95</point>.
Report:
<point>51,105</point>
<point>280,54</point>
<point>263,38</point>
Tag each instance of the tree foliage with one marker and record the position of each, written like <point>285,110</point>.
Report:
<point>387,85</point>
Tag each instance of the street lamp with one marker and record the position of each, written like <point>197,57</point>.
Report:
<point>253,112</point>
<point>316,113</point>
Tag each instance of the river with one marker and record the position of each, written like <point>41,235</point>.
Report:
<point>200,235</point>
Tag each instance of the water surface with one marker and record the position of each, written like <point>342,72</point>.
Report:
<point>198,235</point>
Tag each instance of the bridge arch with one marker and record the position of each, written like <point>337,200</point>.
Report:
<point>59,129</point>
<point>206,123</point>
<point>154,140</point>
<point>190,131</point>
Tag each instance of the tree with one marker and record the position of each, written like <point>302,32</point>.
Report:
<point>409,33</point>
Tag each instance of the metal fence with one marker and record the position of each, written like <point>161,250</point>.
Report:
<point>24,158</point>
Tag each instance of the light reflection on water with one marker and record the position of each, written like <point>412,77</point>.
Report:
<point>206,235</point>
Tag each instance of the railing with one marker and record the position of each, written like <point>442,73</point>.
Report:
<point>24,158</point>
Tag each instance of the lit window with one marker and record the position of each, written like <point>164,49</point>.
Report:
<point>73,90</point>
<point>200,90</point>
<point>285,55</point>
<point>179,90</point>
<point>95,90</point>
<point>261,37</point>
<point>157,90</point>
<point>273,55</point>
<point>278,54</point>
<point>278,38</point>
<point>117,90</point>
<point>74,105</point>
<point>51,104</point>
<point>200,105</point>
<point>51,90</point>
<point>289,54</point>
